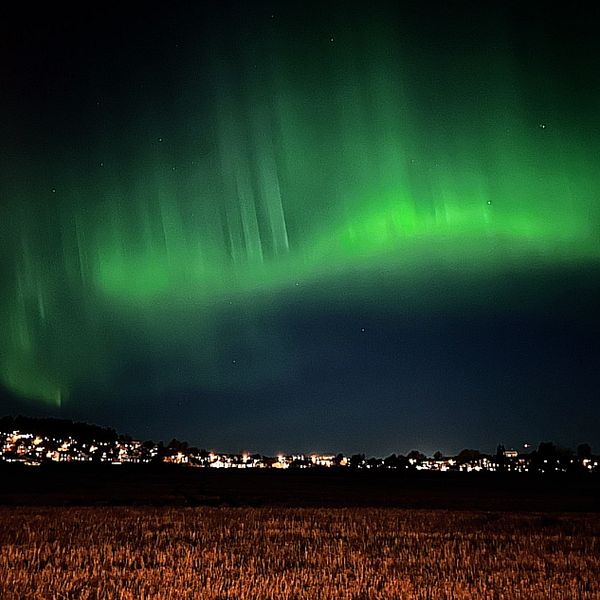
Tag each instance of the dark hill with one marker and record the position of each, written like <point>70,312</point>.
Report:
<point>58,428</point>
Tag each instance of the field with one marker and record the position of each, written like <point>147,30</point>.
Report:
<point>168,485</point>
<point>301,553</point>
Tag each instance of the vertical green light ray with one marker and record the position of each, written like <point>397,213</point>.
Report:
<point>283,159</point>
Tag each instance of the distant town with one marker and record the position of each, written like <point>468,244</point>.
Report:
<point>34,442</point>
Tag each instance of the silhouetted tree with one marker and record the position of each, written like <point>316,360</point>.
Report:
<point>175,444</point>
<point>357,460</point>
<point>416,455</point>
<point>391,462</point>
<point>468,455</point>
<point>545,458</point>
<point>546,450</point>
<point>160,453</point>
<point>501,460</point>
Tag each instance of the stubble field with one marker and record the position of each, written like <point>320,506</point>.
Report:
<point>304,553</point>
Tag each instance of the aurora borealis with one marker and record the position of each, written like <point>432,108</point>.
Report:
<point>301,225</point>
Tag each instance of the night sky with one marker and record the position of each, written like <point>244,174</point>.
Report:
<point>297,226</point>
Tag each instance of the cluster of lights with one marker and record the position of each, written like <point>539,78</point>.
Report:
<point>34,450</point>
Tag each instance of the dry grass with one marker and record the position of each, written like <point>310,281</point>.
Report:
<point>218,553</point>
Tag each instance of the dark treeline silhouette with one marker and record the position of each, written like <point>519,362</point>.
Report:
<point>547,458</point>
<point>58,428</point>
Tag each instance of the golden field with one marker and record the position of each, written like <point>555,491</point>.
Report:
<point>262,553</point>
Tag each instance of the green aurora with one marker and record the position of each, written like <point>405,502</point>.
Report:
<point>236,171</point>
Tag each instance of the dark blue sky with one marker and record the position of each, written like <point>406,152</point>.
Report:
<point>282,226</point>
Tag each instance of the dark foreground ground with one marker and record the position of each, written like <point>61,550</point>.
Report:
<point>167,485</point>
